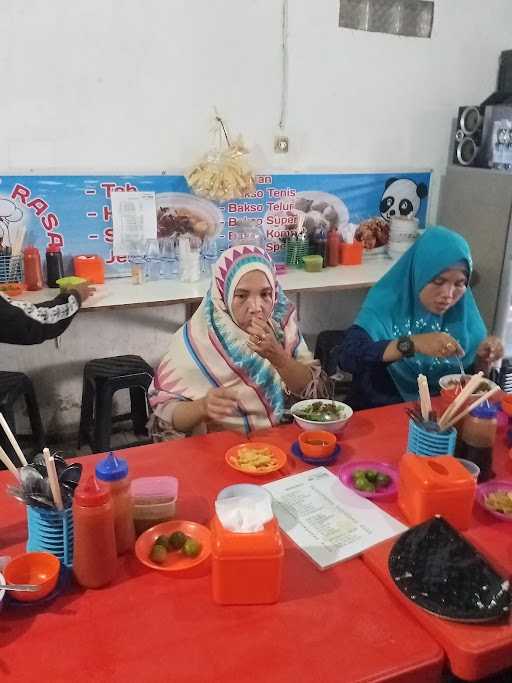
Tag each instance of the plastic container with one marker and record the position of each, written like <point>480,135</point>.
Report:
<point>317,444</point>
<point>477,438</point>
<point>91,267</point>
<point>95,560</point>
<point>32,268</point>
<point>54,265</point>
<point>154,501</point>
<point>440,485</point>
<point>246,567</point>
<point>333,247</point>
<point>351,254</point>
<point>313,263</point>
<point>51,531</point>
<point>113,472</point>
<point>422,442</point>
<point>41,569</point>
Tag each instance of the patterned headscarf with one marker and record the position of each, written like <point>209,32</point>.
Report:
<point>210,350</point>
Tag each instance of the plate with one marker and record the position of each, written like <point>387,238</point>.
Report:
<point>296,451</point>
<point>483,491</point>
<point>278,454</point>
<point>436,568</point>
<point>174,208</point>
<point>176,561</point>
<point>345,475</point>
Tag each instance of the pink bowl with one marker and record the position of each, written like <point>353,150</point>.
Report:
<point>345,474</point>
<point>483,490</point>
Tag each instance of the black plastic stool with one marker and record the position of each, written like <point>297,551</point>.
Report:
<point>102,378</point>
<point>15,385</point>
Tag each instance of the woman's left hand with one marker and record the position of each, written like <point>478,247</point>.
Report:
<point>490,350</point>
<point>262,341</point>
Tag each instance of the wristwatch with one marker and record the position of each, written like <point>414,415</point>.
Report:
<point>406,346</point>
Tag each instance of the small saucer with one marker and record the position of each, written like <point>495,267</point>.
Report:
<point>296,451</point>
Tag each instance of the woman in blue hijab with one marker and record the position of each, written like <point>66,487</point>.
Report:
<point>417,319</point>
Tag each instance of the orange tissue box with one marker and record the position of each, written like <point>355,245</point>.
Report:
<point>246,567</point>
<point>436,485</point>
<point>351,254</point>
<point>90,267</point>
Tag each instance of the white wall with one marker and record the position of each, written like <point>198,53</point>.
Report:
<point>109,85</point>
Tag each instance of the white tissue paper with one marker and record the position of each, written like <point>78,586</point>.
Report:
<point>244,514</point>
<point>348,231</point>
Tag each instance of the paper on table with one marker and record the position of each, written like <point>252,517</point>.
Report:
<point>133,221</point>
<point>327,520</point>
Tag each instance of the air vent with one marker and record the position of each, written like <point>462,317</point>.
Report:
<point>397,17</point>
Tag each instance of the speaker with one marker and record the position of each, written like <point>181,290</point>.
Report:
<point>468,135</point>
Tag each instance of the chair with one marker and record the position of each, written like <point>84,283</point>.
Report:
<point>101,379</point>
<point>328,344</point>
<point>15,385</point>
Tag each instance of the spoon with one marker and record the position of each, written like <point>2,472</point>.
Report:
<point>29,587</point>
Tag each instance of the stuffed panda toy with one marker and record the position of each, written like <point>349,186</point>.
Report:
<point>401,197</point>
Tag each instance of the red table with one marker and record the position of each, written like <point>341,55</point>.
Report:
<point>337,625</point>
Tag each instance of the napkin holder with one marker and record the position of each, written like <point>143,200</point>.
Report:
<point>246,567</point>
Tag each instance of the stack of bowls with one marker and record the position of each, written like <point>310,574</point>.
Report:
<point>403,232</point>
<point>51,531</point>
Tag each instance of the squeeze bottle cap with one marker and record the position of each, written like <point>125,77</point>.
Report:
<point>91,493</point>
<point>112,468</point>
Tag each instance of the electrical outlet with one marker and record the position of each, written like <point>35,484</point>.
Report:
<point>281,144</point>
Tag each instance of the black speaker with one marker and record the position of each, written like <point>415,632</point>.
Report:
<point>505,72</point>
<point>468,135</point>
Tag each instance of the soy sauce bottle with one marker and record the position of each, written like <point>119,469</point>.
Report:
<point>54,265</point>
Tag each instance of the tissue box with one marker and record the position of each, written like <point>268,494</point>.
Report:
<point>436,485</point>
<point>246,568</point>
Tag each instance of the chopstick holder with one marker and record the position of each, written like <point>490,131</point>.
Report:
<point>9,463</point>
<point>425,403</point>
<point>53,479</point>
<point>12,440</point>
<point>475,404</point>
<point>459,400</point>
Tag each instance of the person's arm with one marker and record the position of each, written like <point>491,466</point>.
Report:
<point>26,323</point>
<point>358,350</point>
<point>217,405</point>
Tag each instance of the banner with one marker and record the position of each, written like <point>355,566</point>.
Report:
<point>74,211</point>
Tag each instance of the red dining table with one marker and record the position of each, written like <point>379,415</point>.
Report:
<point>342,624</point>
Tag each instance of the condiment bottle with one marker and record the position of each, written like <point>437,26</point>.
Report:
<point>94,555</point>
<point>113,472</point>
<point>477,439</point>
<point>333,247</point>
<point>54,265</point>
<point>32,268</point>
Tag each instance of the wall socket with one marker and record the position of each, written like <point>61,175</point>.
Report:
<point>281,144</point>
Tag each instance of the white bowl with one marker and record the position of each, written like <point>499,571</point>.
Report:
<point>446,380</point>
<point>333,426</point>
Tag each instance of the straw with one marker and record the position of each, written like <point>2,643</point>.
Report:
<point>12,439</point>
<point>9,463</point>
<point>53,479</point>
<point>460,398</point>
<point>475,404</point>
<point>426,405</point>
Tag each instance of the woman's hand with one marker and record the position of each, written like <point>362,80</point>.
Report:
<point>262,341</point>
<point>437,345</point>
<point>220,403</point>
<point>490,350</point>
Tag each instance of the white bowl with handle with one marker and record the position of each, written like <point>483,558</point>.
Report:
<point>334,426</point>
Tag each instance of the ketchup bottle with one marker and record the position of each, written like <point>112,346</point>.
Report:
<point>333,247</point>
<point>32,268</point>
<point>94,554</point>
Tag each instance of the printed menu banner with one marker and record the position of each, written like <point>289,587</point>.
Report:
<point>75,211</point>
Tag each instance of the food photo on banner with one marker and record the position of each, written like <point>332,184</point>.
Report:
<point>74,212</point>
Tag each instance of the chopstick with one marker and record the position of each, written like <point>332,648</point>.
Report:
<point>53,479</point>
<point>12,439</point>
<point>425,403</point>
<point>9,463</point>
<point>460,398</point>
<point>475,404</point>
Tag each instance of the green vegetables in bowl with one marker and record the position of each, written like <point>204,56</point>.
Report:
<point>322,411</point>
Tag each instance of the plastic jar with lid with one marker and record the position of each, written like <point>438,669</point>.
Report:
<point>113,472</point>
<point>94,555</point>
<point>477,438</point>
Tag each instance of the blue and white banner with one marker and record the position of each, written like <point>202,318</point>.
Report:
<point>74,211</point>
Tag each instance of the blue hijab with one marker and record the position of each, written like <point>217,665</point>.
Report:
<point>393,309</point>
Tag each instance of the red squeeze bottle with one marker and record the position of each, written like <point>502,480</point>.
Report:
<point>333,247</point>
<point>33,274</point>
<point>94,553</point>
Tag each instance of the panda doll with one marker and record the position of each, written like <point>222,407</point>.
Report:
<point>401,198</point>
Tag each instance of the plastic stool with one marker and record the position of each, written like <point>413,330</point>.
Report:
<point>14,385</point>
<point>102,378</point>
